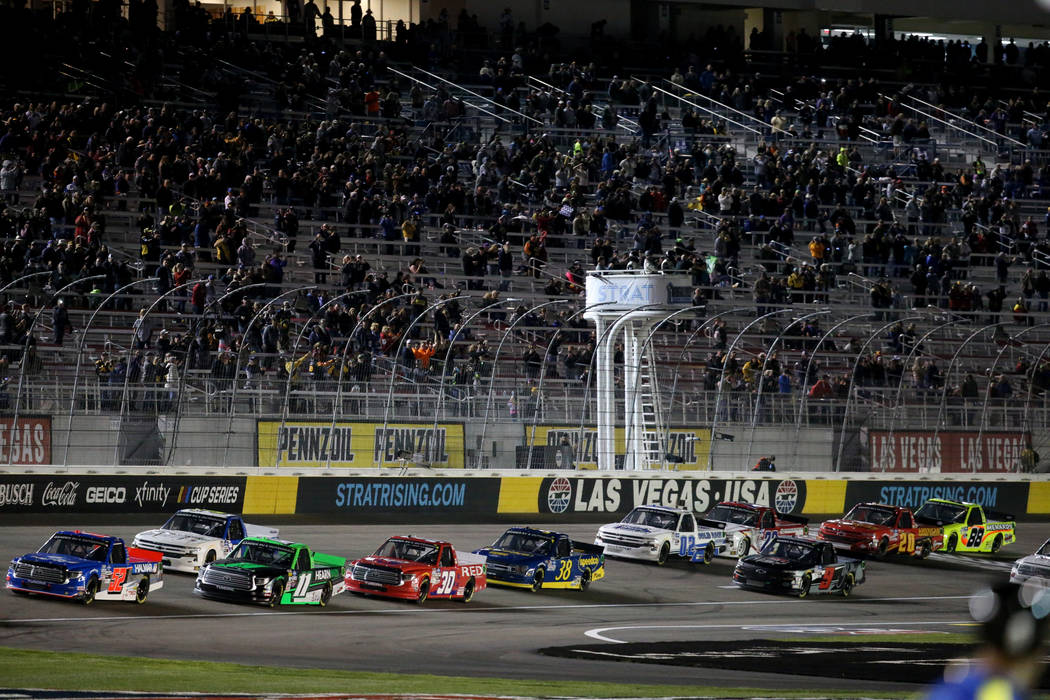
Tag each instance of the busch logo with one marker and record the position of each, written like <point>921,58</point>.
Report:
<point>60,496</point>
<point>16,495</point>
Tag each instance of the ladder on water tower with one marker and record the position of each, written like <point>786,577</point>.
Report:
<point>648,398</point>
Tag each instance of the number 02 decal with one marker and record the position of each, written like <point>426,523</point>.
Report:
<point>304,583</point>
<point>116,584</point>
<point>446,584</point>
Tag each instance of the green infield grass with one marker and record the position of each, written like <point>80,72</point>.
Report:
<point>20,668</point>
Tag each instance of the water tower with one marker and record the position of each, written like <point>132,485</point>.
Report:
<point>625,305</point>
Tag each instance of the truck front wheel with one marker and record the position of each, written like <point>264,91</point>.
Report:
<point>90,591</point>
<point>278,593</point>
<point>537,580</point>
<point>665,551</point>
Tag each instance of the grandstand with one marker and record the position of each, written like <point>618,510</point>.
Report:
<point>207,244</point>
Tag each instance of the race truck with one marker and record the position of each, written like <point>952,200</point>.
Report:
<point>272,572</point>
<point>799,566</point>
<point>749,527</point>
<point>966,527</point>
<point>416,569</point>
<point>876,529</point>
<point>523,557</point>
<point>1034,568</point>
<point>87,566</point>
<point>192,538</point>
<point>654,533</point>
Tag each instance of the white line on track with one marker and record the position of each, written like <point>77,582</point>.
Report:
<point>597,633</point>
<point>413,610</point>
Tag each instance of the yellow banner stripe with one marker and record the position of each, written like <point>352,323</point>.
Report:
<point>271,495</point>
<point>824,497</point>
<point>519,494</point>
<point>1038,498</point>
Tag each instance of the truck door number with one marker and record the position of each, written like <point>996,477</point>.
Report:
<point>116,584</point>
<point>446,583</point>
<point>304,583</point>
<point>685,545</point>
<point>976,535</point>
<point>564,571</point>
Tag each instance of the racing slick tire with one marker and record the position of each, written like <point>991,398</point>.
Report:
<point>847,585</point>
<point>424,591</point>
<point>278,593</point>
<point>585,579</point>
<point>90,591</point>
<point>997,543</point>
<point>142,590</point>
<point>326,595</point>
<point>210,556</point>
<point>709,553</point>
<point>665,551</point>
<point>951,544</point>
<point>880,551</point>
<point>923,549</point>
<point>803,591</point>
<point>745,547</point>
<point>537,580</point>
<point>468,591</point>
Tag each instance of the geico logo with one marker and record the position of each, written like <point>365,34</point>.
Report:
<point>106,494</point>
<point>323,574</point>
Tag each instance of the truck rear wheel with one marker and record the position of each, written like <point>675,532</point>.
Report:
<point>585,579</point>
<point>925,547</point>
<point>537,580</point>
<point>326,595</point>
<point>847,585</point>
<point>468,591</point>
<point>997,543</point>
<point>142,591</point>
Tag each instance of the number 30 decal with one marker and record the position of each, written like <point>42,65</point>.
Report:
<point>446,583</point>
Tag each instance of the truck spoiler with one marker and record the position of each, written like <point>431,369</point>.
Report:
<point>998,515</point>
<point>586,548</point>
<point>788,518</point>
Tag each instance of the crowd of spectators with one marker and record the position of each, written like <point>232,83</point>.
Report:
<point>616,174</point>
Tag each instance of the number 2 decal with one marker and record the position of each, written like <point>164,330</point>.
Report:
<point>304,583</point>
<point>565,571</point>
<point>116,584</point>
<point>976,535</point>
<point>446,583</point>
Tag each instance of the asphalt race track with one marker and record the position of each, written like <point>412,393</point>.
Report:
<point>500,632</point>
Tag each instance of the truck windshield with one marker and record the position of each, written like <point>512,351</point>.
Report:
<point>652,518</point>
<point>265,553</point>
<point>525,544</point>
<point>871,514</point>
<point>735,516</point>
<point>941,512</point>
<point>1045,549</point>
<point>791,550</point>
<point>73,546</point>
<point>408,550</point>
<point>197,524</point>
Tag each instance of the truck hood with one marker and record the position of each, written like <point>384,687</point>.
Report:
<point>399,564</point>
<point>58,560</point>
<point>635,530</point>
<point>505,555</point>
<point>856,526</point>
<point>175,537</point>
<point>777,563</point>
<point>260,570</point>
<point>1039,560</point>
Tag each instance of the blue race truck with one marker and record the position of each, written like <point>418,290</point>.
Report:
<point>87,566</point>
<point>524,557</point>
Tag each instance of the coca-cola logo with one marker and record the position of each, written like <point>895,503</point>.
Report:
<point>60,496</point>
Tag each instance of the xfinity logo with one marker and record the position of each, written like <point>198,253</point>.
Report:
<point>151,494</point>
<point>106,494</point>
<point>16,495</point>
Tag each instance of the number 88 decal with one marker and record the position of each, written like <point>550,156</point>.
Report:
<point>976,535</point>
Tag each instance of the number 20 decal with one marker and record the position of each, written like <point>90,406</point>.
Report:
<point>446,583</point>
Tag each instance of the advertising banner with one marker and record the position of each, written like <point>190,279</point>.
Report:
<point>304,444</point>
<point>685,448</point>
<point>925,451</point>
<point>28,442</point>
<point>118,494</point>
<point>1010,497</point>
<point>392,499</point>
<point>572,495</point>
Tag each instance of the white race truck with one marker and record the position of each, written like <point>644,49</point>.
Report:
<point>193,537</point>
<point>655,533</point>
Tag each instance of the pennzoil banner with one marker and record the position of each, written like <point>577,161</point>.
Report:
<point>946,451</point>
<point>685,448</point>
<point>361,445</point>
